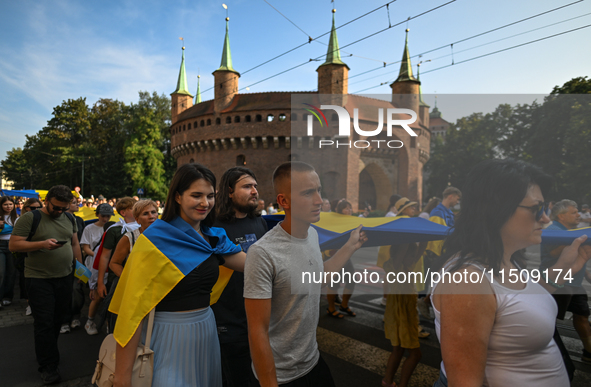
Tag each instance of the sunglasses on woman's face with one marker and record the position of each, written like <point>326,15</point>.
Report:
<point>538,210</point>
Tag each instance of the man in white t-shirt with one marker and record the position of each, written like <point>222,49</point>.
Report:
<point>282,307</point>
<point>585,216</point>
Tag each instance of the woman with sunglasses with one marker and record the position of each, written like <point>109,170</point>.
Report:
<point>7,269</point>
<point>30,204</point>
<point>498,331</point>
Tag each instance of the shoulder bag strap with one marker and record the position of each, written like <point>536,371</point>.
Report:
<point>150,327</point>
<point>35,224</point>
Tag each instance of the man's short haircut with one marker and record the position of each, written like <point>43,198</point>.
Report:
<point>561,207</point>
<point>283,171</point>
<point>451,191</point>
<point>124,204</point>
<point>61,193</point>
<point>141,205</point>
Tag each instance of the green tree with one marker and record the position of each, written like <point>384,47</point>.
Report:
<point>118,148</point>
<point>160,105</point>
<point>15,168</point>
<point>105,153</point>
<point>54,153</point>
<point>560,139</point>
<point>143,157</point>
<point>555,135</point>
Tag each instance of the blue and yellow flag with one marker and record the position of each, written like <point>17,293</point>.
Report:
<point>82,272</point>
<point>161,257</point>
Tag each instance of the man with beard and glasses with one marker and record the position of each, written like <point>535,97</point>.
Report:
<point>237,213</point>
<point>47,268</point>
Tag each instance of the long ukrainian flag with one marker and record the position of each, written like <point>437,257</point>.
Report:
<point>161,257</point>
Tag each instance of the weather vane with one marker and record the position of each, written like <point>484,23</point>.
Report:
<point>226,8</point>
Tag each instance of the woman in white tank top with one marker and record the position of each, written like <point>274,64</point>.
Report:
<point>494,332</point>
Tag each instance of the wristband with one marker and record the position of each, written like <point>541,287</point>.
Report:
<point>554,284</point>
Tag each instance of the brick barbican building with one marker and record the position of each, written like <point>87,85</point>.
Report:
<point>259,130</point>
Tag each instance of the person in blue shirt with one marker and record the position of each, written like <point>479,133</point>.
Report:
<point>573,298</point>
<point>19,206</point>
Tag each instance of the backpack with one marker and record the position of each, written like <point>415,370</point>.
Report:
<point>19,258</point>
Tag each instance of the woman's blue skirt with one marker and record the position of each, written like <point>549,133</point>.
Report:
<point>186,349</point>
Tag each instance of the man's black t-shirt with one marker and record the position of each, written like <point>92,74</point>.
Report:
<point>229,311</point>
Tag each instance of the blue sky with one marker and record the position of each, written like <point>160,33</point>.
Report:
<point>51,51</point>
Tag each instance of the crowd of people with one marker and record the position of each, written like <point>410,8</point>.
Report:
<point>211,246</point>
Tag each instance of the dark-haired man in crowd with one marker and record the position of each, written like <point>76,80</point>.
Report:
<point>47,268</point>
<point>237,212</point>
<point>282,307</point>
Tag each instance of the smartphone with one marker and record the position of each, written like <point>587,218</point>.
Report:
<point>61,242</point>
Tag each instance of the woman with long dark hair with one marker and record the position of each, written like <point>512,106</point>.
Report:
<point>7,269</point>
<point>185,251</point>
<point>499,331</point>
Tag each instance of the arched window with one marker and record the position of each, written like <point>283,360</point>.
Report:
<point>218,121</point>
<point>237,119</point>
<point>208,121</point>
<point>191,161</point>
<point>282,117</point>
<point>189,126</point>
<point>202,123</point>
<point>195,125</point>
<point>259,118</point>
<point>240,160</point>
<point>247,118</point>
<point>228,120</point>
<point>270,118</point>
<point>184,127</point>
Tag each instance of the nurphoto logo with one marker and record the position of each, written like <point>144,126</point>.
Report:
<point>344,118</point>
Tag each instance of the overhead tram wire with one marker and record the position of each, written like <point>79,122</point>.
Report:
<point>510,48</point>
<point>475,47</point>
<point>512,36</point>
<point>488,54</point>
<point>389,64</point>
<point>350,44</point>
<point>470,37</point>
<point>310,39</point>
<point>504,26</point>
<point>296,26</point>
<point>390,26</point>
<point>308,42</point>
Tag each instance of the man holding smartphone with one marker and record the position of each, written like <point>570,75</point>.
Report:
<point>51,250</point>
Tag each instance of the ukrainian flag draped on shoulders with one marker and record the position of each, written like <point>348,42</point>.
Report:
<point>161,257</point>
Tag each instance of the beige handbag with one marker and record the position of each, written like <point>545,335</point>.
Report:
<point>143,366</point>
